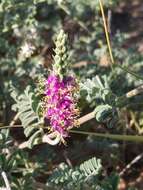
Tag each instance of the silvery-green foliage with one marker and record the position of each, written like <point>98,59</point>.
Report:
<point>100,96</point>
<point>20,167</point>
<point>28,108</point>
<point>5,139</point>
<point>91,167</point>
<point>34,23</point>
<point>7,161</point>
<point>86,175</point>
<point>26,182</point>
<point>69,176</point>
<point>98,89</point>
<point>20,26</point>
<point>10,160</point>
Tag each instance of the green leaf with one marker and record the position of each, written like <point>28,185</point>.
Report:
<point>27,106</point>
<point>102,112</point>
<point>91,167</point>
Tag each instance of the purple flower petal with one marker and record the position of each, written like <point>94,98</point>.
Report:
<point>60,105</point>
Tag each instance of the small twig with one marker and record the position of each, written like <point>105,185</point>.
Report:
<point>134,92</point>
<point>86,118</point>
<point>52,139</point>
<point>3,174</point>
<point>136,159</point>
<point>14,119</point>
<point>122,99</point>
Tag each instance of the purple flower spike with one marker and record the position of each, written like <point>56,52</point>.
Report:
<point>60,103</point>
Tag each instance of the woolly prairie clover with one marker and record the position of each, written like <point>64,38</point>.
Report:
<point>60,89</point>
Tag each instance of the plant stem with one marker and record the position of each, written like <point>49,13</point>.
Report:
<point>14,119</point>
<point>129,71</point>
<point>110,47</point>
<point>86,118</point>
<point>10,126</point>
<point>106,32</point>
<point>122,99</point>
<point>132,138</point>
<point>136,159</point>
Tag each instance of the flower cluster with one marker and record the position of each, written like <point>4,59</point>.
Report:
<point>61,103</point>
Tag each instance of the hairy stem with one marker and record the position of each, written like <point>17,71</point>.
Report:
<point>86,118</point>
<point>122,99</point>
